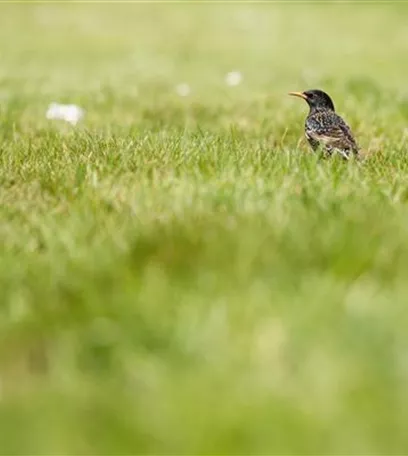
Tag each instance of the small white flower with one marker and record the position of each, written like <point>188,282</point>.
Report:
<point>70,113</point>
<point>233,78</point>
<point>183,90</point>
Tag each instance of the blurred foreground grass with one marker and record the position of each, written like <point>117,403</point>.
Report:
<point>179,275</point>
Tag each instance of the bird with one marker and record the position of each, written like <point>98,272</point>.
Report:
<point>324,129</point>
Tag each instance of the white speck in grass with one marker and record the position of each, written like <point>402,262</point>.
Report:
<point>183,90</point>
<point>233,78</point>
<point>69,112</point>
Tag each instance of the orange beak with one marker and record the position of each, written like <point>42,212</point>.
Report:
<point>298,94</point>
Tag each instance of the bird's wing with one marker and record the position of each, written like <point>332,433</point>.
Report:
<point>330,130</point>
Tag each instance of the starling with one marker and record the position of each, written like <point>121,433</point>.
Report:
<point>324,129</point>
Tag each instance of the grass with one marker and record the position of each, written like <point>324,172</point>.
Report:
<point>180,275</point>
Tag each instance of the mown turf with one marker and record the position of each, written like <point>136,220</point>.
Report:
<point>179,275</point>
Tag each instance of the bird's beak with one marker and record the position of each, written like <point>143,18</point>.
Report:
<point>298,94</point>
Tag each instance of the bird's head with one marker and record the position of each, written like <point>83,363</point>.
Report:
<point>316,99</point>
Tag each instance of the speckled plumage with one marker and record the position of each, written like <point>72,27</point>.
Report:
<point>324,129</point>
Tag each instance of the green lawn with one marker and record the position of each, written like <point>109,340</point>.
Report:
<point>180,275</point>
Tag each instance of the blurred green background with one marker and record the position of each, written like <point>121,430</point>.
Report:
<point>179,274</point>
